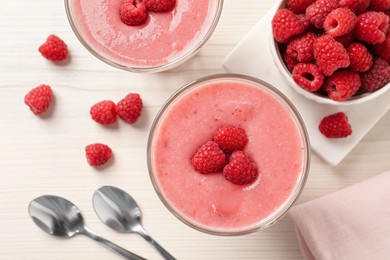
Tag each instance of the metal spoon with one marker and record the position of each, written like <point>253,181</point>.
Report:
<point>60,217</point>
<point>120,211</point>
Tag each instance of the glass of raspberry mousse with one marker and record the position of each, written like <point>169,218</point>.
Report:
<point>143,35</point>
<point>228,154</point>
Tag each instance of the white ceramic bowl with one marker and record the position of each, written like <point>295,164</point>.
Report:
<point>278,59</point>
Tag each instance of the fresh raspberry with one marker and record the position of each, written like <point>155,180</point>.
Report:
<point>346,39</point>
<point>301,49</point>
<point>299,6</point>
<point>357,6</point>
<point>342,85</point>
<point>286,25</point>
<point>335,126</point>
<point>133,12</point>
<point>377,76</point>
<point>371,27</point>
<point>360,57</point>
<point>230,138</point>
<point>209,158</point>
<point>39,99</point>
<point>339,22</point>
<point>319,10</point>
<point>241,169</point>
<point>98,154</point>
<point>304,21</point>
<point>330,55</point>
<point>129,108</point>
<point>290,61</point>
<point>54,49</point>
<point>308,76</point>
<point>383,49</point>
<point>160,5</point>
<point>104,112</point>
<point>379,5</point>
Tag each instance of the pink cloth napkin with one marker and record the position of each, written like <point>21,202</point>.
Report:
<point>353,223</point>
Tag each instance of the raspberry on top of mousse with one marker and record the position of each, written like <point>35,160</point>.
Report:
<point>135,12</point>
<point>230,138</point>
<point>228,142</point>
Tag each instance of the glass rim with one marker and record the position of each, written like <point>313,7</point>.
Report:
<point>139,69</point>
<point>285,206</point>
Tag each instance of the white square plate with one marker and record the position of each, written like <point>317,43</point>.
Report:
<point>252,56</point>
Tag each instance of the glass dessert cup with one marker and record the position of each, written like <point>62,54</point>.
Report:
<point>176,35</point>
<point>185,183</point>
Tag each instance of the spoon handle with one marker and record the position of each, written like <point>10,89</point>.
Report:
<point>110,245</point>
<point>159,248</point>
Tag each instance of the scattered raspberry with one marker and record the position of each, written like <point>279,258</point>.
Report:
<point>342,85</point>
<point>160,5</point>
<point>360,57</point>
<point>54,49</point>
<point>129,108</point>
<point>319,10</point>
<point>39,99</point>
<point>357,6</point>
<point>330,55</point>
<point>383,49</point>
<point>380,5</point>
<point>299,6</point>
<point>241,169</point>
<point>301,49</point>
<point>371,27</point>
<point>346,39</point>
<point>104,112</point>
<point>308,76</point>
<point>209,158</point>
<point>286,25</point>
<point>335,126</point>
<point>133,12</point>
<point>230,138</point>
<point>98,154</point>
<point>340,22</point>
<point>377,76</point>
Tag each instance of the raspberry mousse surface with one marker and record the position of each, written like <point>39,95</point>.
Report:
<point>163,38</point>
<point>209,201</point>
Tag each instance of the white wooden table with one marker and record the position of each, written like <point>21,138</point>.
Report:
<point>46,155</point>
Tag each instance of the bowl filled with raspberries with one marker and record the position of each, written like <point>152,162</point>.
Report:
<point>333,51</point>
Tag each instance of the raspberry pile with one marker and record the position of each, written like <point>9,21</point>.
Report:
<point>135,12</point>
<point>335,48</point>
<point>224,153</point>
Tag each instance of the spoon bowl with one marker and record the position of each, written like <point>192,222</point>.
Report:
<point>48,213</point>
<point>118,210</point>
<point>60,217</point>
